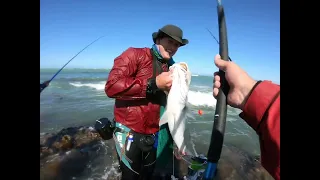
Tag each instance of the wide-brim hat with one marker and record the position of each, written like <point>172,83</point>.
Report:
<point>172,31</point>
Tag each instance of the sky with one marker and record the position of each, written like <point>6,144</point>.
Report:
<point>253,29</point>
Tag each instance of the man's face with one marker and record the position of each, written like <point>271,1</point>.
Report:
<point>168,47</point>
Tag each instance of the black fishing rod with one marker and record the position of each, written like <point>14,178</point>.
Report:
<point>216,40</point>
<point>217,135</point>
<point>73,58</point>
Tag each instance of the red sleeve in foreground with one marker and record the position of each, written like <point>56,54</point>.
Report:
<point>262,113</point>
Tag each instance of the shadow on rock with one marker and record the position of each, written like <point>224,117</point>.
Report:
<point>237,164</point>
<point>234,164</point>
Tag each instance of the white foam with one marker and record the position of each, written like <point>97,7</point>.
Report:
<point>195,98</point>
<point>97,86</point>
<point>91,128</point>
<point>110,172</point>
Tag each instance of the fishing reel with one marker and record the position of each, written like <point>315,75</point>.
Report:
<point>197,167</point>
<point>105,128</point>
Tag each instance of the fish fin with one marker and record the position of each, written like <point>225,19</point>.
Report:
<point>165,117</point>
<point>188,77</point>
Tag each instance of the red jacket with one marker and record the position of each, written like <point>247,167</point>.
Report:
<point>127,83</point>
<point>262,113</point>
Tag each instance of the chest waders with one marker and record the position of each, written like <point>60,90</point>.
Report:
<point>161,140</point>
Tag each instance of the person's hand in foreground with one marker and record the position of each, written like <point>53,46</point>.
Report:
<point>261,110</point>
<point>239,81</point>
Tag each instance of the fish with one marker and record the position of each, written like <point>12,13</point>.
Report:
<point>175,113</point>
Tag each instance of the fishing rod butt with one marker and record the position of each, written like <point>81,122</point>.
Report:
<point>210,171</point>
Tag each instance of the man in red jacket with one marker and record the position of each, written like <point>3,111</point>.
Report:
<point>137,81</point>
<point>260,105</point>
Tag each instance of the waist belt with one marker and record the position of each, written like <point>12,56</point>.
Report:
<point>120,128</point>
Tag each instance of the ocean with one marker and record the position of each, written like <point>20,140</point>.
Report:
<point>76,97</point>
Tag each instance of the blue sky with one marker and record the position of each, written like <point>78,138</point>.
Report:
<point>253,27</point>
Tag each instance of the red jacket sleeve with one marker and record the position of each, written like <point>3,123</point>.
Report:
<point>262,113</point>
<point>121,83</point>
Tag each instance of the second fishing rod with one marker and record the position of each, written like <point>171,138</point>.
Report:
<point>46,83</point>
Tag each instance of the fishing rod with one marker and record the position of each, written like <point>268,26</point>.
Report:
<point>73,58</point>
<point>220,116</point>
<point>216,40</point>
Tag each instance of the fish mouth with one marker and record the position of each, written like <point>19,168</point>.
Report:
<point>184,66</point>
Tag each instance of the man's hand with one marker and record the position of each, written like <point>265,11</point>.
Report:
<point>164,81</point>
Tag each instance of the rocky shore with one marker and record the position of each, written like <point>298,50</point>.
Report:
<point>80,153</point>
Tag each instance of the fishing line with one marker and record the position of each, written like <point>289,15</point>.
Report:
<point>216,40</point>
<point>73,58</point>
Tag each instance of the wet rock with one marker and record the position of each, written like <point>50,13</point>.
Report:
<point>45,151</point>
<point>238,164</point>
<point>68,153</point>
<point>234,164</point>
<point>67,139</point>
<point>63,144</point>
<point>65,166</point>
<point>65,154</point>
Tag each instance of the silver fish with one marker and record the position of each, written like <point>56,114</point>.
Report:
<point>176,110</point>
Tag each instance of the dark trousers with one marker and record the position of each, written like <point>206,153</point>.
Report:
<point>142,163</point>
